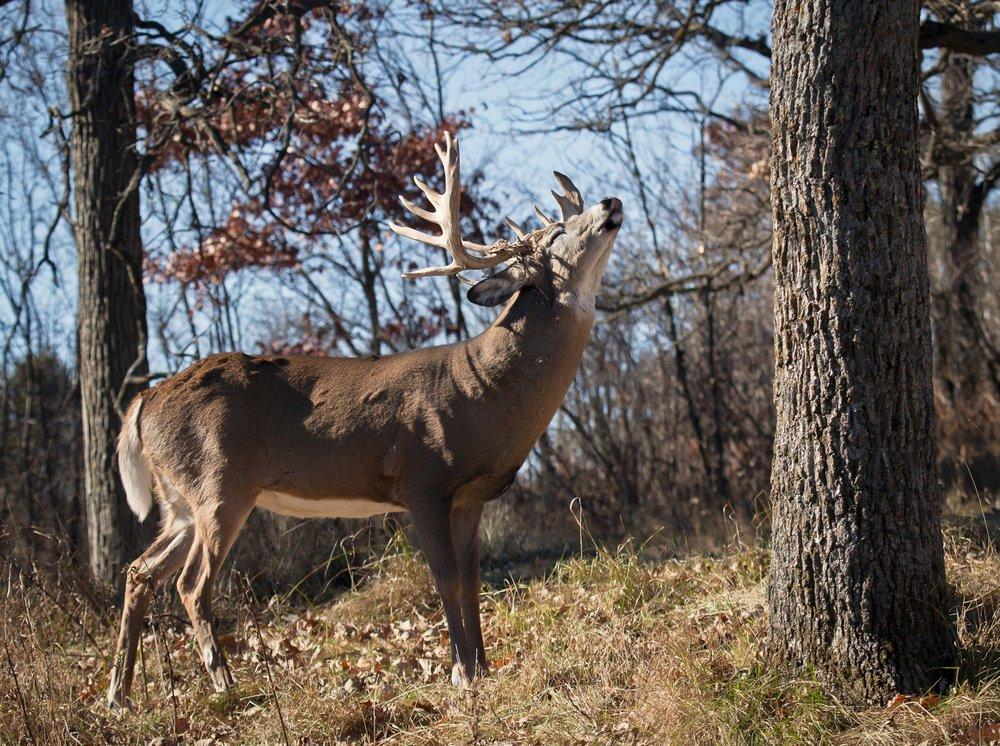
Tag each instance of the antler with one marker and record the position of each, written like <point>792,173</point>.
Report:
<point>570,203</point>
<point>446,215</point>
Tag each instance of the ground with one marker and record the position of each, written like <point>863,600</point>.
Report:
<point>603,648</point>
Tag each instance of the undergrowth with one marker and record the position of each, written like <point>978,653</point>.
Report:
<point>607,648</point>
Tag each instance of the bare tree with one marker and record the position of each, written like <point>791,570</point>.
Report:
<point>961,140</point>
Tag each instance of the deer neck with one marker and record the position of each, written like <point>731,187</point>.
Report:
<point>532,350</point>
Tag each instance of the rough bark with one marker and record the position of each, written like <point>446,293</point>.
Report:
<point>857,577</point>
<point>112,310</point>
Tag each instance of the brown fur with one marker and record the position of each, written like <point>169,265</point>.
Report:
<point>359,428</point>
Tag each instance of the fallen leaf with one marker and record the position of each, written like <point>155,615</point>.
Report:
<point>930,701</point>
<point>501,662</point>
<point>897,701</point>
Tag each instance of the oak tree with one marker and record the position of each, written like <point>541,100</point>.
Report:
<point>857,574</point>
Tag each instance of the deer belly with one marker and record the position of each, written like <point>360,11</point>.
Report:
<point>327,507</point>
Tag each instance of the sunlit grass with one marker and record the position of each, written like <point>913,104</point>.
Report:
<point>606,648</point>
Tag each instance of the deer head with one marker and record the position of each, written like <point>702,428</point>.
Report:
<point>564,259</point>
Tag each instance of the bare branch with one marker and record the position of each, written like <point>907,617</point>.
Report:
<point>935,34</point>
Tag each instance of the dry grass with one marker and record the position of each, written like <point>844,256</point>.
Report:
<point>604,649</point>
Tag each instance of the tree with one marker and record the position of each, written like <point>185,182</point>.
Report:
<point>961,137</point>
<point>111,323</point>
<point>39,452</point>
<point>857,574</point>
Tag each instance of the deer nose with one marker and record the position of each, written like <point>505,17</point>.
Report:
<point>611,204</point>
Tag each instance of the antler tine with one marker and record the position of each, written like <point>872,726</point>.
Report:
<point>416,209</point>
<point>546,220</point>
<point>446,216</point>
<point>570,203</point>
<point>518,230</point>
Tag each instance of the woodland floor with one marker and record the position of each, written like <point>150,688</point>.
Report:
<point>603,649</point>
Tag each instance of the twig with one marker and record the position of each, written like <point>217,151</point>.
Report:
<point>158,637</point>
<point>20,694</point>
<point>265,655</point>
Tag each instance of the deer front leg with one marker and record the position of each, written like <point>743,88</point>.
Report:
<point>465,520</point>
<point>432,524</point>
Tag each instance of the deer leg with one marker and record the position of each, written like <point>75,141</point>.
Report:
<point>157,563</point>
<point>465,535</point>
<point>432,524</point>
<point>216,529</point>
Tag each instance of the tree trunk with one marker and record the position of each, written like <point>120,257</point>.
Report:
<point>967,368</point>
<point>956,345</point>
<point>857,576</point>
<point>112,309</point>
<point>369,275</point>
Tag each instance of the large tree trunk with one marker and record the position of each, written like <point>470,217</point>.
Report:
<point>857,576</point>
<point>112,308</point>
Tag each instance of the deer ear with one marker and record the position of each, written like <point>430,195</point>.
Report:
<point>498,288</point>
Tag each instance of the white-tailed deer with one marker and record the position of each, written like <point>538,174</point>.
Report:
<point>437,432</point>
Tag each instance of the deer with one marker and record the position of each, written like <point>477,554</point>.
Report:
<point>436,432</point>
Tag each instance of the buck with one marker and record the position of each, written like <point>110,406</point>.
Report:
<point>436,432</point>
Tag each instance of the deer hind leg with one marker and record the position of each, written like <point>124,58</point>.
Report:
<point>163,557</point>
<point>432,524</point>
<point>216,528</point>
<point>465,536</point>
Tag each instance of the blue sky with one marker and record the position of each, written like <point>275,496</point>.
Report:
<point>517,165</point>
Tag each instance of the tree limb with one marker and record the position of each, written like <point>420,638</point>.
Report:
<point>957,39</point>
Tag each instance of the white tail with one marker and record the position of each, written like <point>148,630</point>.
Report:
<point>132,464</point>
